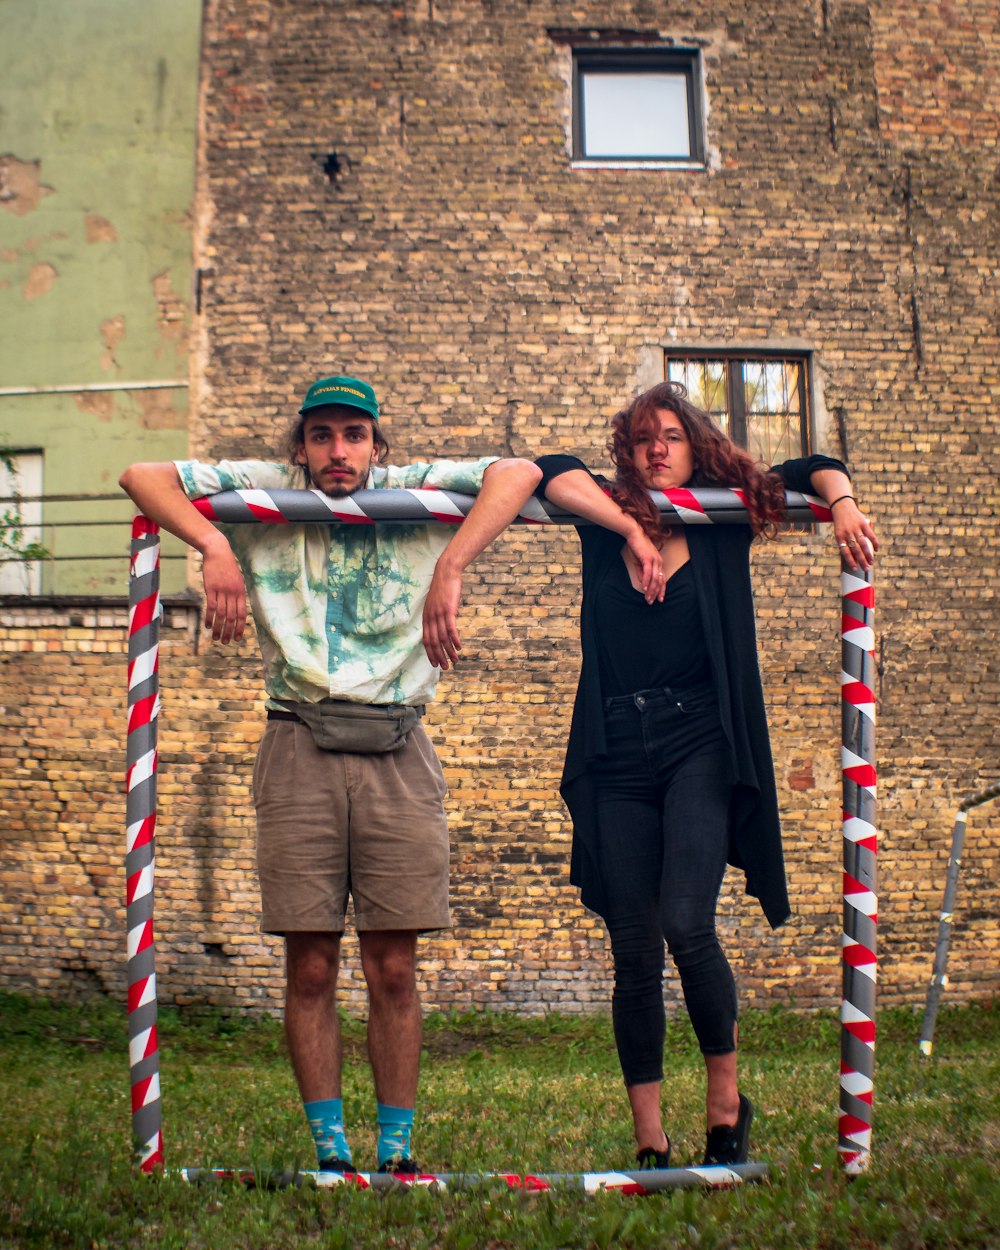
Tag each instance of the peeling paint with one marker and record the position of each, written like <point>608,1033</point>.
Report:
<point>41,280</point>
<point>21,187</point>
<point>158,411</point>
<point>99,229</point>
<point>171,317</point>
<point>97,177</point>
<point>112,332</point>
<point>99,404</point>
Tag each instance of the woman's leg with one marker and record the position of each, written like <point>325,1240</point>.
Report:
<point>647,1120</point>
<point>696,844</point>
<point>629,852</point>
<point>722,1093</point>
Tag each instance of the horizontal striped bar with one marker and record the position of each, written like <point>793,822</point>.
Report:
<point>707,505</point>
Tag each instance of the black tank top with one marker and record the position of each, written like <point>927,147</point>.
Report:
<point>647,645</point>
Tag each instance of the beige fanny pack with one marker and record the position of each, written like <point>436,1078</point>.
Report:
<point>357,728</point>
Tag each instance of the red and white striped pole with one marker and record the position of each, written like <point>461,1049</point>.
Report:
<point>140,820</point>
<point>857,1013</point>
<point>652,1181</point>
<point>707,506</point>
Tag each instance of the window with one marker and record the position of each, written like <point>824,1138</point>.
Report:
<point>637,105</point>
<point>760,401</point>
<point>20,522</point>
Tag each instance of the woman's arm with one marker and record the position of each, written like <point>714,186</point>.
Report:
<point>852,530</point>
<point>577,492</point>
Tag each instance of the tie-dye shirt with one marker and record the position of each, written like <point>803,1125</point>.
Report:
<point>338,608</point>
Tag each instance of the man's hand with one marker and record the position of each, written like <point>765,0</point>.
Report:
<point>225,593</point>
<point>441,640</point>
<point>507,485</point>
<point>156,489</point>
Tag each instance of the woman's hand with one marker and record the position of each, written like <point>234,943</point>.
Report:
<point>855,536</point>
<point>649,560</point>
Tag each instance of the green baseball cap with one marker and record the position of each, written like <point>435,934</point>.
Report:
<point>341,390</point>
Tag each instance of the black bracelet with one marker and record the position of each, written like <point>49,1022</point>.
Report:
<point>830,505</point>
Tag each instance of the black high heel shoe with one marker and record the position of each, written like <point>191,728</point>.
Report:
<point>650,1159</point>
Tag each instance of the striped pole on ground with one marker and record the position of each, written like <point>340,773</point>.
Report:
<point>140,820</point>
<point>646,1182</point>
<point>857,1016</point>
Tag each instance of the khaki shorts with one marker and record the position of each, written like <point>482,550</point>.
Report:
<point>332,825</point>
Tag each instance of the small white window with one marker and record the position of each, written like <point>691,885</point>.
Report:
<point>640,105</point>
<point>20,522</point>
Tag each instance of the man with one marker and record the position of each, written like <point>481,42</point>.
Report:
<point>354,625</point>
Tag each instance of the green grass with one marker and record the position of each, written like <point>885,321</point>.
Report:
<point>497,1093</point>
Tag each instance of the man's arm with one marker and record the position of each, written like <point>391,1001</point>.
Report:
<point>156,490</point>
<point>507,486</point>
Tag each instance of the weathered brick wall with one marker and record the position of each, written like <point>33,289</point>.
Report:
<point>501,300</point>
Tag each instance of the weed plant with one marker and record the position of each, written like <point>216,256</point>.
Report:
<point>498,1093</point>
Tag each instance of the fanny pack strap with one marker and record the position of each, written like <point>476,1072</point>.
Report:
<point>356,728</point>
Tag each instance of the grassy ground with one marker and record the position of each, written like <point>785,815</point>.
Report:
<point>498,1093</point>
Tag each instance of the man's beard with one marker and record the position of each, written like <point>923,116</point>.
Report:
<point>341,489</point>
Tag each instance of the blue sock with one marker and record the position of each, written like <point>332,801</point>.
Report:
<point>394,1127</point>
<point>326,1119</point>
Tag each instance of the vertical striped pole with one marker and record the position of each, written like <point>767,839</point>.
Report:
<point>140,819</point>
<point>857,1015</point>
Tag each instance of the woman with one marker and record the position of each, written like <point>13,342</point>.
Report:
<point>668,772</point>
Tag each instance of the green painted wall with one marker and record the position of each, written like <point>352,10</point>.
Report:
<point>98,120</point>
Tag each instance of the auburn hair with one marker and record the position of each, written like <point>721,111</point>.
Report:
<point>718,461</point>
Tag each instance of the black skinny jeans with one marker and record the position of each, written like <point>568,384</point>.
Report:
<point>663,835</point>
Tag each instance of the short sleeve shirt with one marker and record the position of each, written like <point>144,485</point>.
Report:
<point>338,609</point>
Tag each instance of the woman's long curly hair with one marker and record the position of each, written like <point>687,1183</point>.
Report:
<point>718,461</point>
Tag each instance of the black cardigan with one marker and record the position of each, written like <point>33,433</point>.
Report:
<point>720,562</point>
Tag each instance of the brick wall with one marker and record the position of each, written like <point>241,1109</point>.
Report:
<point>502,300</point>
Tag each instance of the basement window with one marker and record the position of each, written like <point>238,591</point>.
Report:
<point>760,401</point>
<point>637,107</point>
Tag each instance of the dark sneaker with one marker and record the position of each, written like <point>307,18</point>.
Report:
<point>338,1165</point>
<point>649,1159</point>
<point>729,1143</point>
<point>397,1166</point>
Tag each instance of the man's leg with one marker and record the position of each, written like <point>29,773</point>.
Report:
<point>395,1029</point>
<point>399,882</point>
<point>312,1030</point>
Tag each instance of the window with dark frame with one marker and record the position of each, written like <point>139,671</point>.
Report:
<point>20,521</point>
<point>637,104</point>
<point>761,401</point>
